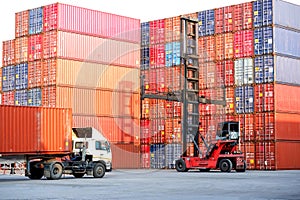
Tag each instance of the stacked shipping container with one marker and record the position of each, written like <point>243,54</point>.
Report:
<point>251,49</point>
<point>72,57</point>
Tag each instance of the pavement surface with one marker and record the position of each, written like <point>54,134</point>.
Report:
<point>157,184</point>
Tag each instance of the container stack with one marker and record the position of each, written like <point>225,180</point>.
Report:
<point>250,51</point>
<point>71,57</point>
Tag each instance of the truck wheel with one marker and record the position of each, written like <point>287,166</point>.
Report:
<point>225,165</point>
<point>99,170</point>
<point>180,166</point>
<point>35,173</point>
<point>56,171</point>
<point>78,175</point>
<point>243,169</point>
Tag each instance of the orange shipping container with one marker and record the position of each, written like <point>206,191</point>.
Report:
<point>287,98</point>
<point>115,129</point>
<point>8,52</point>
<point>90,49</point>
<point>248,148</point>
<point>35,130</point>
<point>21,23</point>
<point>35,70</point>
<point>287,155</point>
<point>126,156</point>
<point>21,49</point>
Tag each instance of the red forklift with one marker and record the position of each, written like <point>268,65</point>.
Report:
<point>220,154</point>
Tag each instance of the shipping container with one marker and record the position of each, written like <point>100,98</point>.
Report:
<point>265,155</point>
<point>35,70</point>
<point>172,109</point>
<point>35,47</point>
<point>125,156</point>
<point>242,16</point>
<point>173,130</point>
<point>36,20</point>
<point>173,153</point>
<point>206,20</point>
<point>21,49</point>
<point>172,54</point>
<point>264,97</point>
<point>248,148</point>
<point>157,56</point>
<point>224,19</point>
<point>1,79</point>
<point>264,69</point>
<point>8,52</point>
<point>90,49</point>
<point>8,98</point>
<point>268,12</point>
<point>206,49</point>
<point>32,130</point>
<point>157,156</point>
<point>119,130</point>
<point>157,31</point>
<point>145,108</point>
<point>145,131</point>
<point>34,96</point>
<point>286,70</point>
<point>243,71</point>
<point>247,127</point>
<point>157,130</point>
<point>244,99</point>
<point>21,98</point>
<point>71,18</point>
<point>243,44</point>
<point>286,98</point>
<point>228,67</point>
<point>145,160</point>
<point>21,73</point>
<point>286,155</point>
<point>21,23</point>
<point>145,37</point>
<point>229,109</point>
<point>8,78</point>
<point>145,58</point>
<point>174,78</point>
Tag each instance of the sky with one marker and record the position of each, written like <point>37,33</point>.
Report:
<point>143,10</point>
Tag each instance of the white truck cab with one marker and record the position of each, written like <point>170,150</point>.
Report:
<point>94,144</point>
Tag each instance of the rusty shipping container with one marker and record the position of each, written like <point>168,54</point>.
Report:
<point>86,48</point>
<point>35,130</point>
<point>71,18</point>
<point>8,52</point>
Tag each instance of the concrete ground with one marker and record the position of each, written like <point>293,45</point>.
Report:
<point>157,184</point>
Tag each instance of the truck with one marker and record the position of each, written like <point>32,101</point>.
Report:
<point>48,144</point>
<point>222,153</point>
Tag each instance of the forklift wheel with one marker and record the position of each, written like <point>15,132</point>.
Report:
<point>180,166</point>
<point>225,165</point>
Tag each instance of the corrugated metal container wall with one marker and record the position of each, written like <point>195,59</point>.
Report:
<point>287,70</point>
<point>116,130</point>
<point>264,97</point>
<point>287,126</point>
<point>0,80</point>
<point>206,49</point>
<point>90,49</point>
<point>21,98</point>
<point>35,47</point>
<point>243,43</point>
<point>126,156</point>
<point>34,97</point>
<point>8,78</point>
<point>8,98</point>
<point>224,19</point>
<point>21,49</point>
<point>242,16</point>
<point>264,69</point>
<point>73,19</point>
<point>21,23</point>
<point>145,58</point>
<point>286,98</point>
<point>29,130</point>
<point>35,20</point>
<point>249,150</point>
<point>35,71</point>
<point>157,31</point>
<point>145,37</point>
<point>157,156</point>
<point>173,152</point>
<point>206,22</point>
<point>21,73</point>
<point>8,52</point>
<point>244,99</point>
<point>287,155</point>
<point>265,155</point>
<point>243,71</point>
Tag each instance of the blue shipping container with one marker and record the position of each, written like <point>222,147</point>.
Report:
<point>286,42</point>
<point>263,40</point>
<point>21,98</point>
<point>244,99</point>
<point>172,54</point>
<point>176,54</point>
<point>145,59</point>
<point>34,97</point>
<point>145,34</point>
<point>36,20</point>
<point>21,76</point>
<point>264,69</point>
<point>173,152</point>
<point>157,156</point>
<point>206,22</point>
<point>8,78</point>
<point>287,70</point>
<point>168,54</point>
<point>278,12</point>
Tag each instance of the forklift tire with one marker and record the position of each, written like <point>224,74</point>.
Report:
<point>180,166</point>
<point>99,170</point>
<point>225,165</point>
<point>244,169</point>
<point>56,171</point>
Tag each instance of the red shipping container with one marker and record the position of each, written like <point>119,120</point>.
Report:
<point>224,46</point>
<point>229,100</point>
<point>29,130</point>
<point>265,126</point>
<point>49,72</point>
<point>145,74</point>
<point>287,98</point>
<point>206,49</point>
<point>287,126</point>
<point>169,29</point>
<point>201,49</point>
<point>8,98</point>
<point>173,130</point>
<point>228,67</point>
<point>70,18</point>
<point>172,109</point>
<point>157,130</point>
<point>287,155</point>
<point>161,82</point>
<point>0,83</point>
<point>145,160</point>
<point>264,97</point>
<point>248,148</point>
<point>35,47</point>
<point>146,108</point>
<point>85,48</point>
<point>21,23</point>
<point>157,31</point>
<point>152,81</point>
<point>265,155</point>
<point>8,52</point>
<point>224,19</point>
<point>202,76</point>
<point>220,47</point>
<point>145,131</point>
<point>35,71</point>
<point>126,156</point>
<point>21,49</point>
<point>157,56</point>
<point>243,44</point>
<point>247,128</point>
<point>174,78</point>
<point>243,16</point>
<point>145,148</point>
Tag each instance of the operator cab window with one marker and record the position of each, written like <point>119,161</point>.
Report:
<point>79,145</point>
<point>102,145</point>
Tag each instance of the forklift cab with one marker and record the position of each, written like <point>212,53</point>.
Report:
<point>228,131</point>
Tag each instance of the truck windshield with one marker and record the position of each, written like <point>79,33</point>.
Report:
<point>102,145</point>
